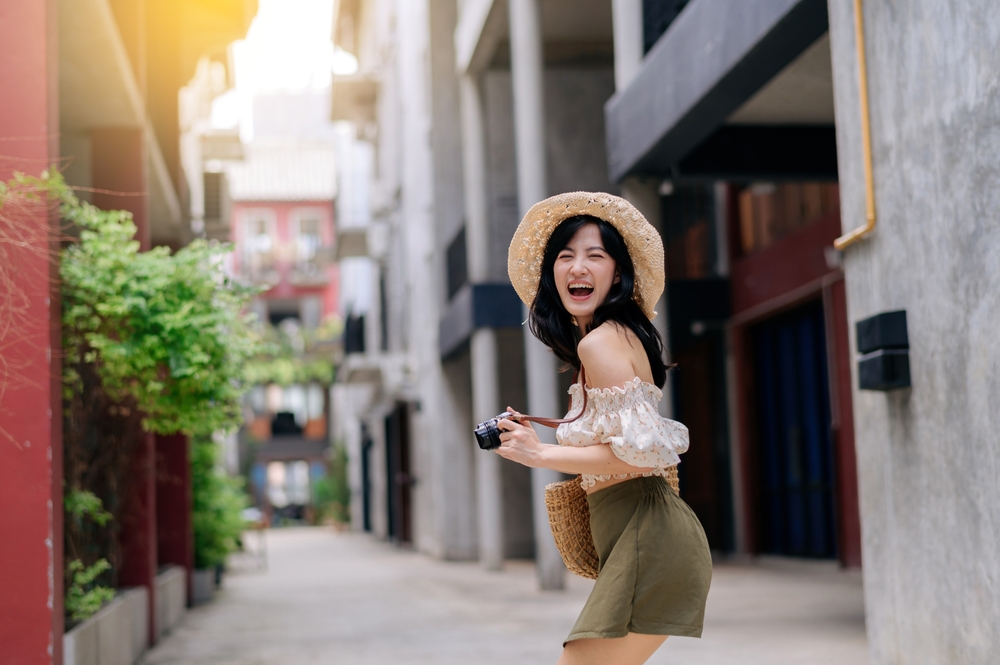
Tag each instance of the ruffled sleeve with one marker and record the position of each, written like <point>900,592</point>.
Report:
<point>628,420</point>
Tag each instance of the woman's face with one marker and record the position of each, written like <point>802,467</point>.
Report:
<point>584,274</point>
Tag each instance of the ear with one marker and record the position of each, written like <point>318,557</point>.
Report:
<point>618,276</point>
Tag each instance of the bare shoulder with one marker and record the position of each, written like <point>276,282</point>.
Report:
<point>606,353</point>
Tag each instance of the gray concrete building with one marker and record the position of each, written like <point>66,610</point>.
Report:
<point>737,129</point>
<point>474,111</point>
<point>926,453</point>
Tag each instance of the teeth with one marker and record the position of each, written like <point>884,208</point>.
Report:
<point>581,286</point>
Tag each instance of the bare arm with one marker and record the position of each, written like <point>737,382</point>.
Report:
<point>521,444</point>
<point>605,354</point>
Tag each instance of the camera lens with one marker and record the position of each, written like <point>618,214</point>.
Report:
<point>487,435</point>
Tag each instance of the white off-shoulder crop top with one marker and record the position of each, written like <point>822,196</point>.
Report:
<point>627,418</point>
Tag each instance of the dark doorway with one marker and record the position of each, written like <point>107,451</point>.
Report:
<point>700,403</point>
<point>397,438</point>
<point>794,453</point>
<point>366,478</point>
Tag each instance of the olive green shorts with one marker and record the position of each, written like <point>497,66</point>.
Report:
<point>655,565</point>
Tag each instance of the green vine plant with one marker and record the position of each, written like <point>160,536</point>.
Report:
<point>84,598</point>
<point>165,330</point>
<point>286,357</point>
<point>81,504</point>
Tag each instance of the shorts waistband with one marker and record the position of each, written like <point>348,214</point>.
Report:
<point>640,485</point>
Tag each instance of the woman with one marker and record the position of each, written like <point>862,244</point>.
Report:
<point>590,267</point>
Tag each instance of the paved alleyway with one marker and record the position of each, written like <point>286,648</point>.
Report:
<point>347,599</point>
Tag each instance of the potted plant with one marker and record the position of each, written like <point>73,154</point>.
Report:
<point>217,521</point>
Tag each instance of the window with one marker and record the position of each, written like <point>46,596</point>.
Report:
<point>768,211</point>
<point>213,196</point>
<point>258,244</point>
<point>308,239</point>
<point>307,244</point>
<point>456,264</point>
<point>689,231</point>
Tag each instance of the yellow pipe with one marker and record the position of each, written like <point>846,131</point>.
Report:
<point>866,137</point>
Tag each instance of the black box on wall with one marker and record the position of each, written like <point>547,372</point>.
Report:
<point>884,345</point>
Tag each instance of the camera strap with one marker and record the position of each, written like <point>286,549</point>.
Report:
<point>556,422</point>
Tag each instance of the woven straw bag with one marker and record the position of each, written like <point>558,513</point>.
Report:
<point>569,518</point>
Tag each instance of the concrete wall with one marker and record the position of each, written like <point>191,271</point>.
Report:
<point>575,146</point>
<point>574,106</point>
<point>171,599</point>
<point>443,497</point>
<point>117,635</point>
<point>928,458</point>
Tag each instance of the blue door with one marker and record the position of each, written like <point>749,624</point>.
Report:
<point>795,449</point>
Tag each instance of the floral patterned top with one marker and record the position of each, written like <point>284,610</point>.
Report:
<point>626,418</point>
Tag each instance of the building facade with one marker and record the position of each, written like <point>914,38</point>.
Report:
<point>739,129</point>
<point>444,346</point>
<point>89,88</point>
<point>740,164</point>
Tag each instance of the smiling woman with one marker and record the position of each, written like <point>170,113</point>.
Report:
<point>590,266</point>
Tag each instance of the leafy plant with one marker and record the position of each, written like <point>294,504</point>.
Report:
<point>82,503</point>
<point>284,359</point>
<point>288,370</point>
<point>218,503</point>
<point>151,340</point>
<point>163,330</point>
<point>83,596</point>
<point>332,493</point>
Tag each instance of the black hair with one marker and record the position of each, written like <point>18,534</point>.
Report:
<point>552,324</point>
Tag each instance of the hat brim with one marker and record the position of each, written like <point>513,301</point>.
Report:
<point>527,248</point>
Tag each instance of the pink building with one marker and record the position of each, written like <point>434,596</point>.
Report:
<point>282,225</point>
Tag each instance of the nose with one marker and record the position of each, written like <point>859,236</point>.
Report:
<point>579,267</point>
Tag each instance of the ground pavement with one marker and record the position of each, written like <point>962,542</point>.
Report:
<point>345,598</point>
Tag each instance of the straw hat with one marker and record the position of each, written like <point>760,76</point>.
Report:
<point>524,260</point>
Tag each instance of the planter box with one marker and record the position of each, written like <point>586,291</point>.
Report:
<point>202,586</point>
<point>171,599</point>
<point>117,635</point>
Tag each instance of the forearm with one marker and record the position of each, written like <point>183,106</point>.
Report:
<point>593,460</point>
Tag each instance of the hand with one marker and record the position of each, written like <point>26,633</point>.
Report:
<point>518,442</point>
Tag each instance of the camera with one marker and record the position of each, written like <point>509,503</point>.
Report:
<point>488,434</point>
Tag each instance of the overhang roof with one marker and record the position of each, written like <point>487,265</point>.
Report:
<point>712,59</point>
<point>482,28</point>
<point>283,171</point>
<point>97,88</point>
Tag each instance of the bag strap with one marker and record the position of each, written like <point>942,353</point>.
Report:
<point>556,422</point>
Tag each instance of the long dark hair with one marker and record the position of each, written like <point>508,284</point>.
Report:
<point>550,322</point>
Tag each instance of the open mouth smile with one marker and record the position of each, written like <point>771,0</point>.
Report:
<point>580,290</point>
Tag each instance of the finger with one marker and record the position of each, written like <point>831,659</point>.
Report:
<point>509,425</point>
<point>514,412</point>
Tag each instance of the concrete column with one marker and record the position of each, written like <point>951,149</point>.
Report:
<point>489,483</point>
<point>31,547</point>
<point>645,196</point>
<point>485,378</point>
<point>527,73</point>
<point>626,16</point>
